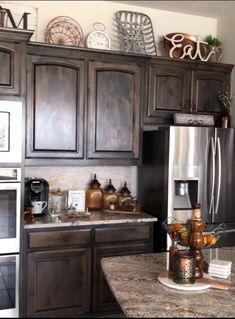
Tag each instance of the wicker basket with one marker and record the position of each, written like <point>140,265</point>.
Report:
<point>135,32</point>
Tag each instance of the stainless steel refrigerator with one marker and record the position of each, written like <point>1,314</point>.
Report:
<point>185,165</point>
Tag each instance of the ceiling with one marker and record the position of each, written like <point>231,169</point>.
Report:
<point>214,9</point>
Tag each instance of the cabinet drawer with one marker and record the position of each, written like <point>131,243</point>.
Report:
<point>58,238</point>
<point>119,234</point>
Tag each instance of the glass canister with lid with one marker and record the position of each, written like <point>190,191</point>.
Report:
<point>125,197</point>
<point>58,200</point>
<point>110,196</point>
<point>94,195</point>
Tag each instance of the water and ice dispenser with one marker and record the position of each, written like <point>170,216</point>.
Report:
<point>186,193</point>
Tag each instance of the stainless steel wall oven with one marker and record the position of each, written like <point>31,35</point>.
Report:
<point>10,208</point>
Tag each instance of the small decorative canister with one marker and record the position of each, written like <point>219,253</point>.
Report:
<point>225,120</point>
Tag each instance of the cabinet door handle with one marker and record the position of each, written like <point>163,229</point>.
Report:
<point>192,106</point>
<point>219,175</point>
<point>189,106</point>
<point>213,176</point>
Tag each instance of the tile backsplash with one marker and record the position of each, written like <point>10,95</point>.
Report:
<point>78,177</point>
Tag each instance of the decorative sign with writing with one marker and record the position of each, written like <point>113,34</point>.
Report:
<point>19,16</point>
<point>189,50</point>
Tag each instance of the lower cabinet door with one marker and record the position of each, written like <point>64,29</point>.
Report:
<point>103,299</point>
<point>58,283</point>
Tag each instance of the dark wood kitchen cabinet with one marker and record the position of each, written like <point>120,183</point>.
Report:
<point>184,86</point>
<point>55,107</point>
<point>58,282</point>
<point>112,242</point>
<point>12,61</point>
<point>58,273</point>
<point>114,110</point>
<point>62,267</point>
<point>82,106</point>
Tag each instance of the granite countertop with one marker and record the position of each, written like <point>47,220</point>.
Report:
<point>93,218</point>
<point>134,282</point>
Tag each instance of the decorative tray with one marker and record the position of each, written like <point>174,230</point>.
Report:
<point>193,119</point>
<point>200,284</point>
<point>135,32</point>
<point>73,216</point>
<point>121,211</point>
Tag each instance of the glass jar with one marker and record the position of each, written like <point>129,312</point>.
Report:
<point>58,200</point>
<point>184,272</point>
<point>94,195</point>
<point>125,197</point>
<point>110,199</point>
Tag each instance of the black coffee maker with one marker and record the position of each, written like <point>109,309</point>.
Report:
<point>36,195</point>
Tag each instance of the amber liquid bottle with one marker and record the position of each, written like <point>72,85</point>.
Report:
<point>196,227</point>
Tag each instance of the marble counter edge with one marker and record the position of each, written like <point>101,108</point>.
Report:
<point>90,222</point>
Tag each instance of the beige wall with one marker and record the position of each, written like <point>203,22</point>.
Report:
<point>72,178</point>
<point>88,12</point>
<point>225,26</point>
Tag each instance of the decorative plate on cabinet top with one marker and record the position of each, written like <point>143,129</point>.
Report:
<point>64,30</point>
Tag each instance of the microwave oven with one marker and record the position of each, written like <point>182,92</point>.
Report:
<point>10,132</point>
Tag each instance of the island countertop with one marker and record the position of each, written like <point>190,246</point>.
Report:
<point>134,282</point>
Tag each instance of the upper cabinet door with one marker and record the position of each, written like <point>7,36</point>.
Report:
<point>169,88</point>
<point>207,84</point>
<point>113,110</point>
<point>55,107</point>
<point>188,87</point>
<point>11,63</point>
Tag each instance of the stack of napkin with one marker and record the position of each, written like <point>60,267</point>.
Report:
<point>219,268</point>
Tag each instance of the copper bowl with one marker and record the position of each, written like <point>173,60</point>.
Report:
<point>188,39</point>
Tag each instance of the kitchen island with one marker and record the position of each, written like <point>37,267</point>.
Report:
<point>134,283</point>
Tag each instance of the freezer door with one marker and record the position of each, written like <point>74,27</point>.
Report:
<point>225,176</point>
<point>190,160</point>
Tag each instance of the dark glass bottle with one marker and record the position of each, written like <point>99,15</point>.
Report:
<point>173,250</point>
<point>94,195</point>
<point>196,226</point>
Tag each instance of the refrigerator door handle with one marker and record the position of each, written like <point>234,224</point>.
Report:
<point>213,176</point>
<point>219,176</point>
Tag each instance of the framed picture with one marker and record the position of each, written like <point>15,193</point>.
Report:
<point>4,131</point>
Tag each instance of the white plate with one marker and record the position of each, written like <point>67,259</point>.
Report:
<point>166,281</point>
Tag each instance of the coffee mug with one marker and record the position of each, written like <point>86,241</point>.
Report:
<point>38,206</point>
